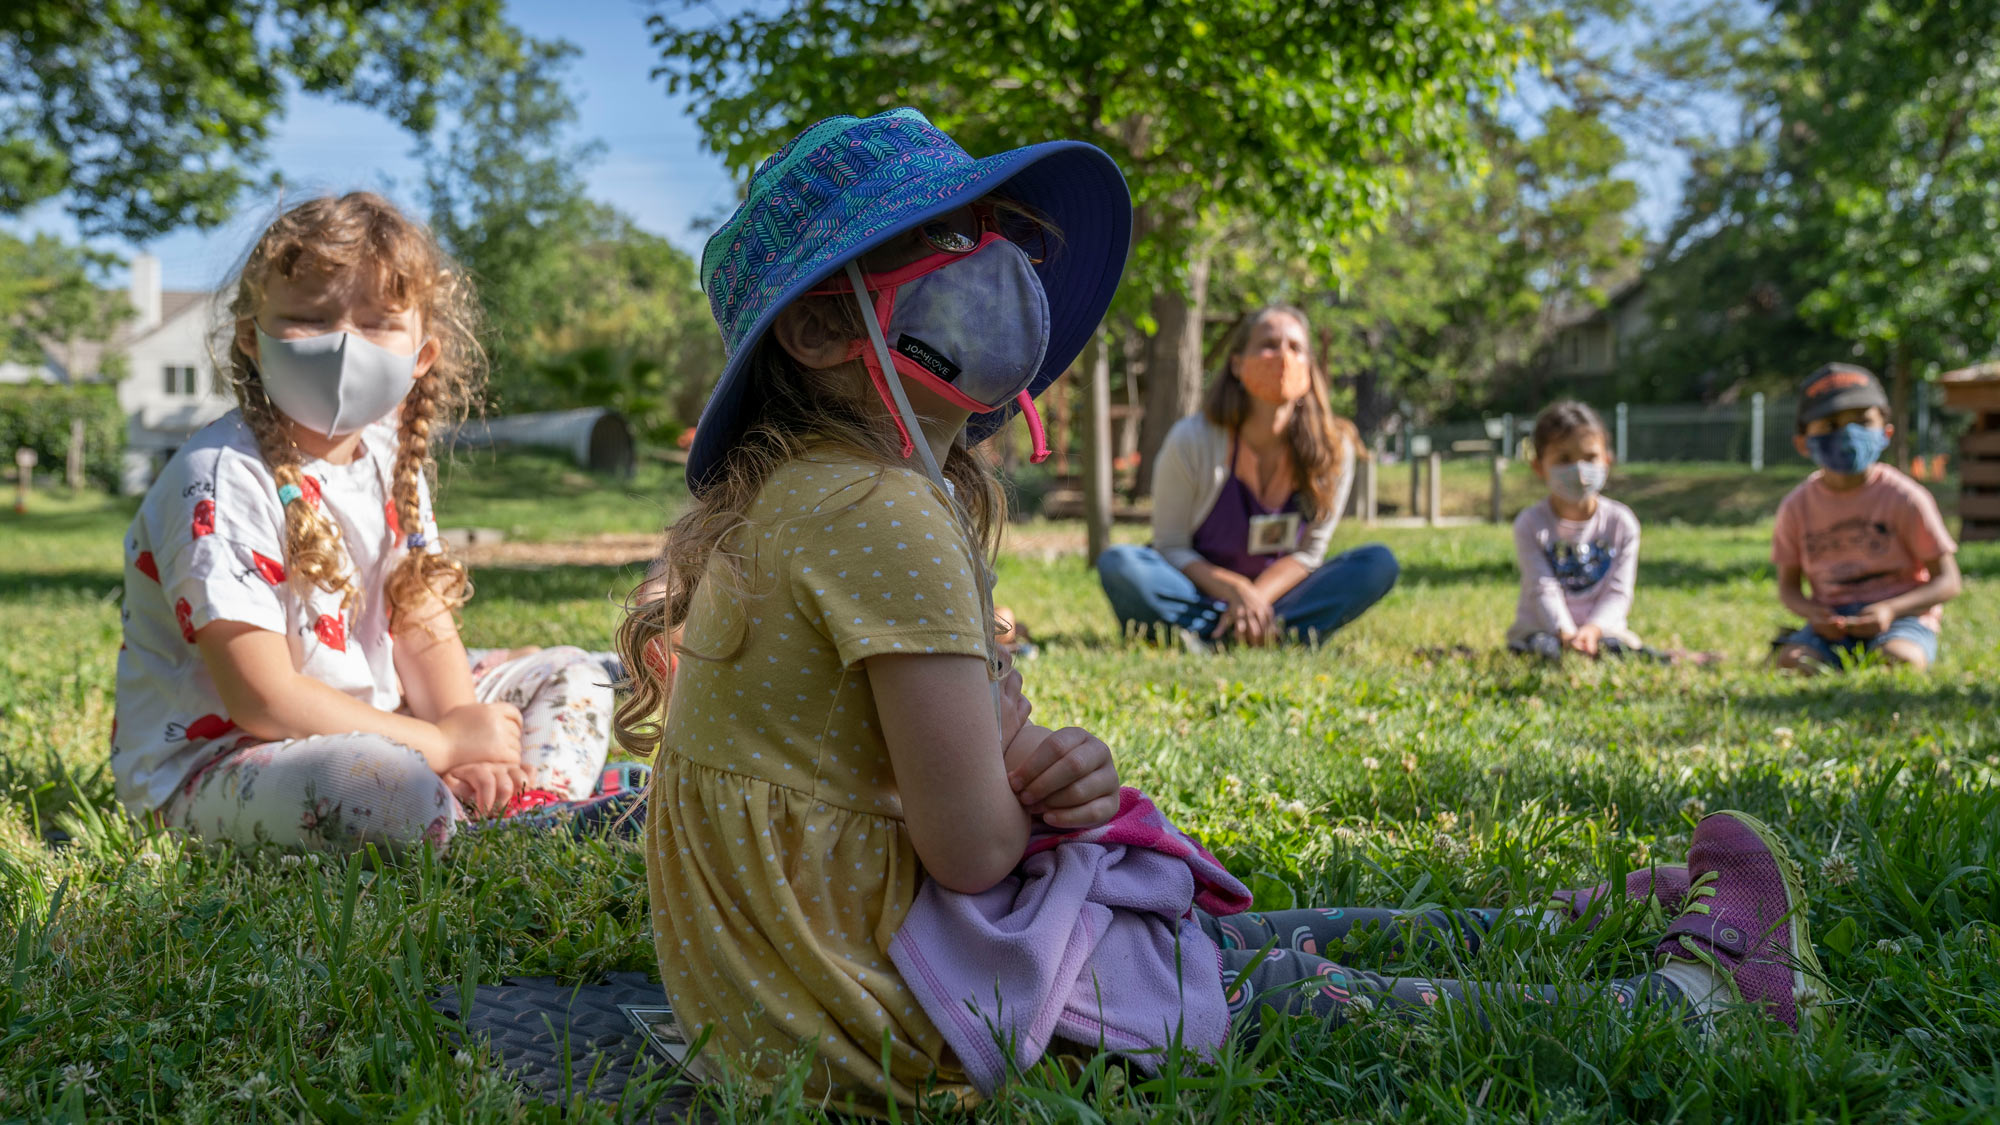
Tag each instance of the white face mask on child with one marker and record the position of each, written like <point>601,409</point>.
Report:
<point>1579,480</point>
<point>335,383</point>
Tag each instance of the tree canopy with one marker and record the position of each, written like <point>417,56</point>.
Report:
<point>143,116</point>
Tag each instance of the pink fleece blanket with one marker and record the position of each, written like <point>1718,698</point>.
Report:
<point>1093,938</point>
<point>1139,823</point>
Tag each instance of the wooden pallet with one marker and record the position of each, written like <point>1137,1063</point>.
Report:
<point>1977,391</point>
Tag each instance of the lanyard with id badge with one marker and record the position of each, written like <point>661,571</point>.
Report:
<point>1275,534</point>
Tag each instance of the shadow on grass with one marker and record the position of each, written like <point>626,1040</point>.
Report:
<point>1874,697</point>
<point>19,586</point>
<point>555,583</point>
<point>1673,573</point>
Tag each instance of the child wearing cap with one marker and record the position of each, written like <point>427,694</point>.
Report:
<point>1869,540</point>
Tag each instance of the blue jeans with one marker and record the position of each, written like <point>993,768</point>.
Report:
<point>1910,629</point>
<point>1151,593</point>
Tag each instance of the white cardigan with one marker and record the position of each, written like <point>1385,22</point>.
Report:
<point>1188,478</point>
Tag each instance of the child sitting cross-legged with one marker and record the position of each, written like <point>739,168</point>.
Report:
<point>292,671</point>
<point>1869,540</point>
<point>1578,550</point>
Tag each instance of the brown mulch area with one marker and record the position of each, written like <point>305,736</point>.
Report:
<point>631,550</point>
<point>598,550</point>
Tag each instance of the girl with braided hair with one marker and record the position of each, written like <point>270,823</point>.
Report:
<point>292,670</point>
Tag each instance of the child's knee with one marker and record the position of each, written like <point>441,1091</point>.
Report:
<point>1905,652</point>
<point>391,796</point>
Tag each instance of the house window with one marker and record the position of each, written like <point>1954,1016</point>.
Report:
<point>179,380</point>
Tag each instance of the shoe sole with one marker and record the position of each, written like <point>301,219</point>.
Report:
<point>1807,974</point>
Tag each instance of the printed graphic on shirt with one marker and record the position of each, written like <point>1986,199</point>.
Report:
<point>1855,536</point>
<point>1580,566</point>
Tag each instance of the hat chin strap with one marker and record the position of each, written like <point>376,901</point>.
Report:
<point>907,421</point>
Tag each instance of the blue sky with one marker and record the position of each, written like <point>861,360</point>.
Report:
<point>652,167</point>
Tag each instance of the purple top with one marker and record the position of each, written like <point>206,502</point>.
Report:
<point>1224,537</point>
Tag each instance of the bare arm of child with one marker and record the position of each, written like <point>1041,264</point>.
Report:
<point>944,746</point>
<point>431,662</point>
<point>1791,592</point>
<point>266,696</point>
<point>1944,585</point>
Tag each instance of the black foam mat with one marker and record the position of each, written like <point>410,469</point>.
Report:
<point>559,1039</point>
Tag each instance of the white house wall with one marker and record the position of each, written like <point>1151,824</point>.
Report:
<point>160,420</point>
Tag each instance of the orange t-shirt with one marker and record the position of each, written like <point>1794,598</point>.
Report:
<point>1865,544</point>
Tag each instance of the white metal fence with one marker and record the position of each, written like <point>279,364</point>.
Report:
<point>1756,432</point>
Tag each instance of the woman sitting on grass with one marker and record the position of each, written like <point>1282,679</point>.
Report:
<point>1245,499</point>
<point>292,670</point>
<point>841,752</point>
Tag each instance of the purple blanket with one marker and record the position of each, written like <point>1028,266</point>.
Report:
<point>1092,938</point>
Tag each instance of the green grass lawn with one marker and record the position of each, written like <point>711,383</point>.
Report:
<point>146,980</point>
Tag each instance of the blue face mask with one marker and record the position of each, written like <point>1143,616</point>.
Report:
<point>1849,449</point>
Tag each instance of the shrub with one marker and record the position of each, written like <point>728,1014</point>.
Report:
<point>38,416</point>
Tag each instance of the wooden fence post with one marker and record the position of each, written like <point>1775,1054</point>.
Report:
<point>1367,490</point>
<point>1097,450</point>
<point>1436,488</point>
<point>74,466</point>
<point>24,465</point>
<point>1499,481</point>
<point>1416,483</point>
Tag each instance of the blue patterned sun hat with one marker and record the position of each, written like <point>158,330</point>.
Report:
<point>849,184</point>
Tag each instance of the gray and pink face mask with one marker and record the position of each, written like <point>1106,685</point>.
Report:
<point>969,322</point>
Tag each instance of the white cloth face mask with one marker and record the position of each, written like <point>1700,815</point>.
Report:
<point>334,384</point>
<point>1579,480</point>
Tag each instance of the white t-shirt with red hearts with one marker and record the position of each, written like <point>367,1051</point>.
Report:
<point>208,545</point>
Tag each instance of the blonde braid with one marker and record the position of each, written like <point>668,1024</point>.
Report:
<point>422,574</point>
<point>315,554</point>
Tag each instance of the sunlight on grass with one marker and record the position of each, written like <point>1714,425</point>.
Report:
<point>147,980</point>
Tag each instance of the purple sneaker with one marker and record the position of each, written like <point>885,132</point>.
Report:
<point>1746,919</point>
<point>1666,885</point>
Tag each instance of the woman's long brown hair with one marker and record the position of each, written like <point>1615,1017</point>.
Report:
<point>1315,435</point>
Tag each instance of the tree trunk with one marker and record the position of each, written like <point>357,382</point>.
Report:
<point>1097,504</point>
<point>1173,386</point>
<point>1899,405</point>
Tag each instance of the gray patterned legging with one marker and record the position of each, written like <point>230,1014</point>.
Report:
<point>1292,978</point>
<point>342,791</point>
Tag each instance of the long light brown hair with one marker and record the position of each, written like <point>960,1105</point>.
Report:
<point>335,236</point>
<point>1315,436</point>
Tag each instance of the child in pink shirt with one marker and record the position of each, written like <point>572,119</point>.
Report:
<point>1868,539</point>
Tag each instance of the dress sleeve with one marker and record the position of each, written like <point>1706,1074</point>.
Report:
<point>218,533</point>
<point>1538,579</point>
<point>1614,602</point>
<point>1313,551</point>
<point>884,568</point>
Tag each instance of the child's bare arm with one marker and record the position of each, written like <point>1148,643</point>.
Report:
<point>266,696</point>
<point>1944,585</point>
<point>1791,592</point>
<point>944,746</point>
<point>431,662</point>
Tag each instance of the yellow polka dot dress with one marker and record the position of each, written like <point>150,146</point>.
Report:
<point>777,857</point>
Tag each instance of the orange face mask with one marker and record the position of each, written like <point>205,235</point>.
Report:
<point>1276,379</point>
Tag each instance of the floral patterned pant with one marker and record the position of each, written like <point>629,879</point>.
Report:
<point>1292,978</point>
<point>344,790</point>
